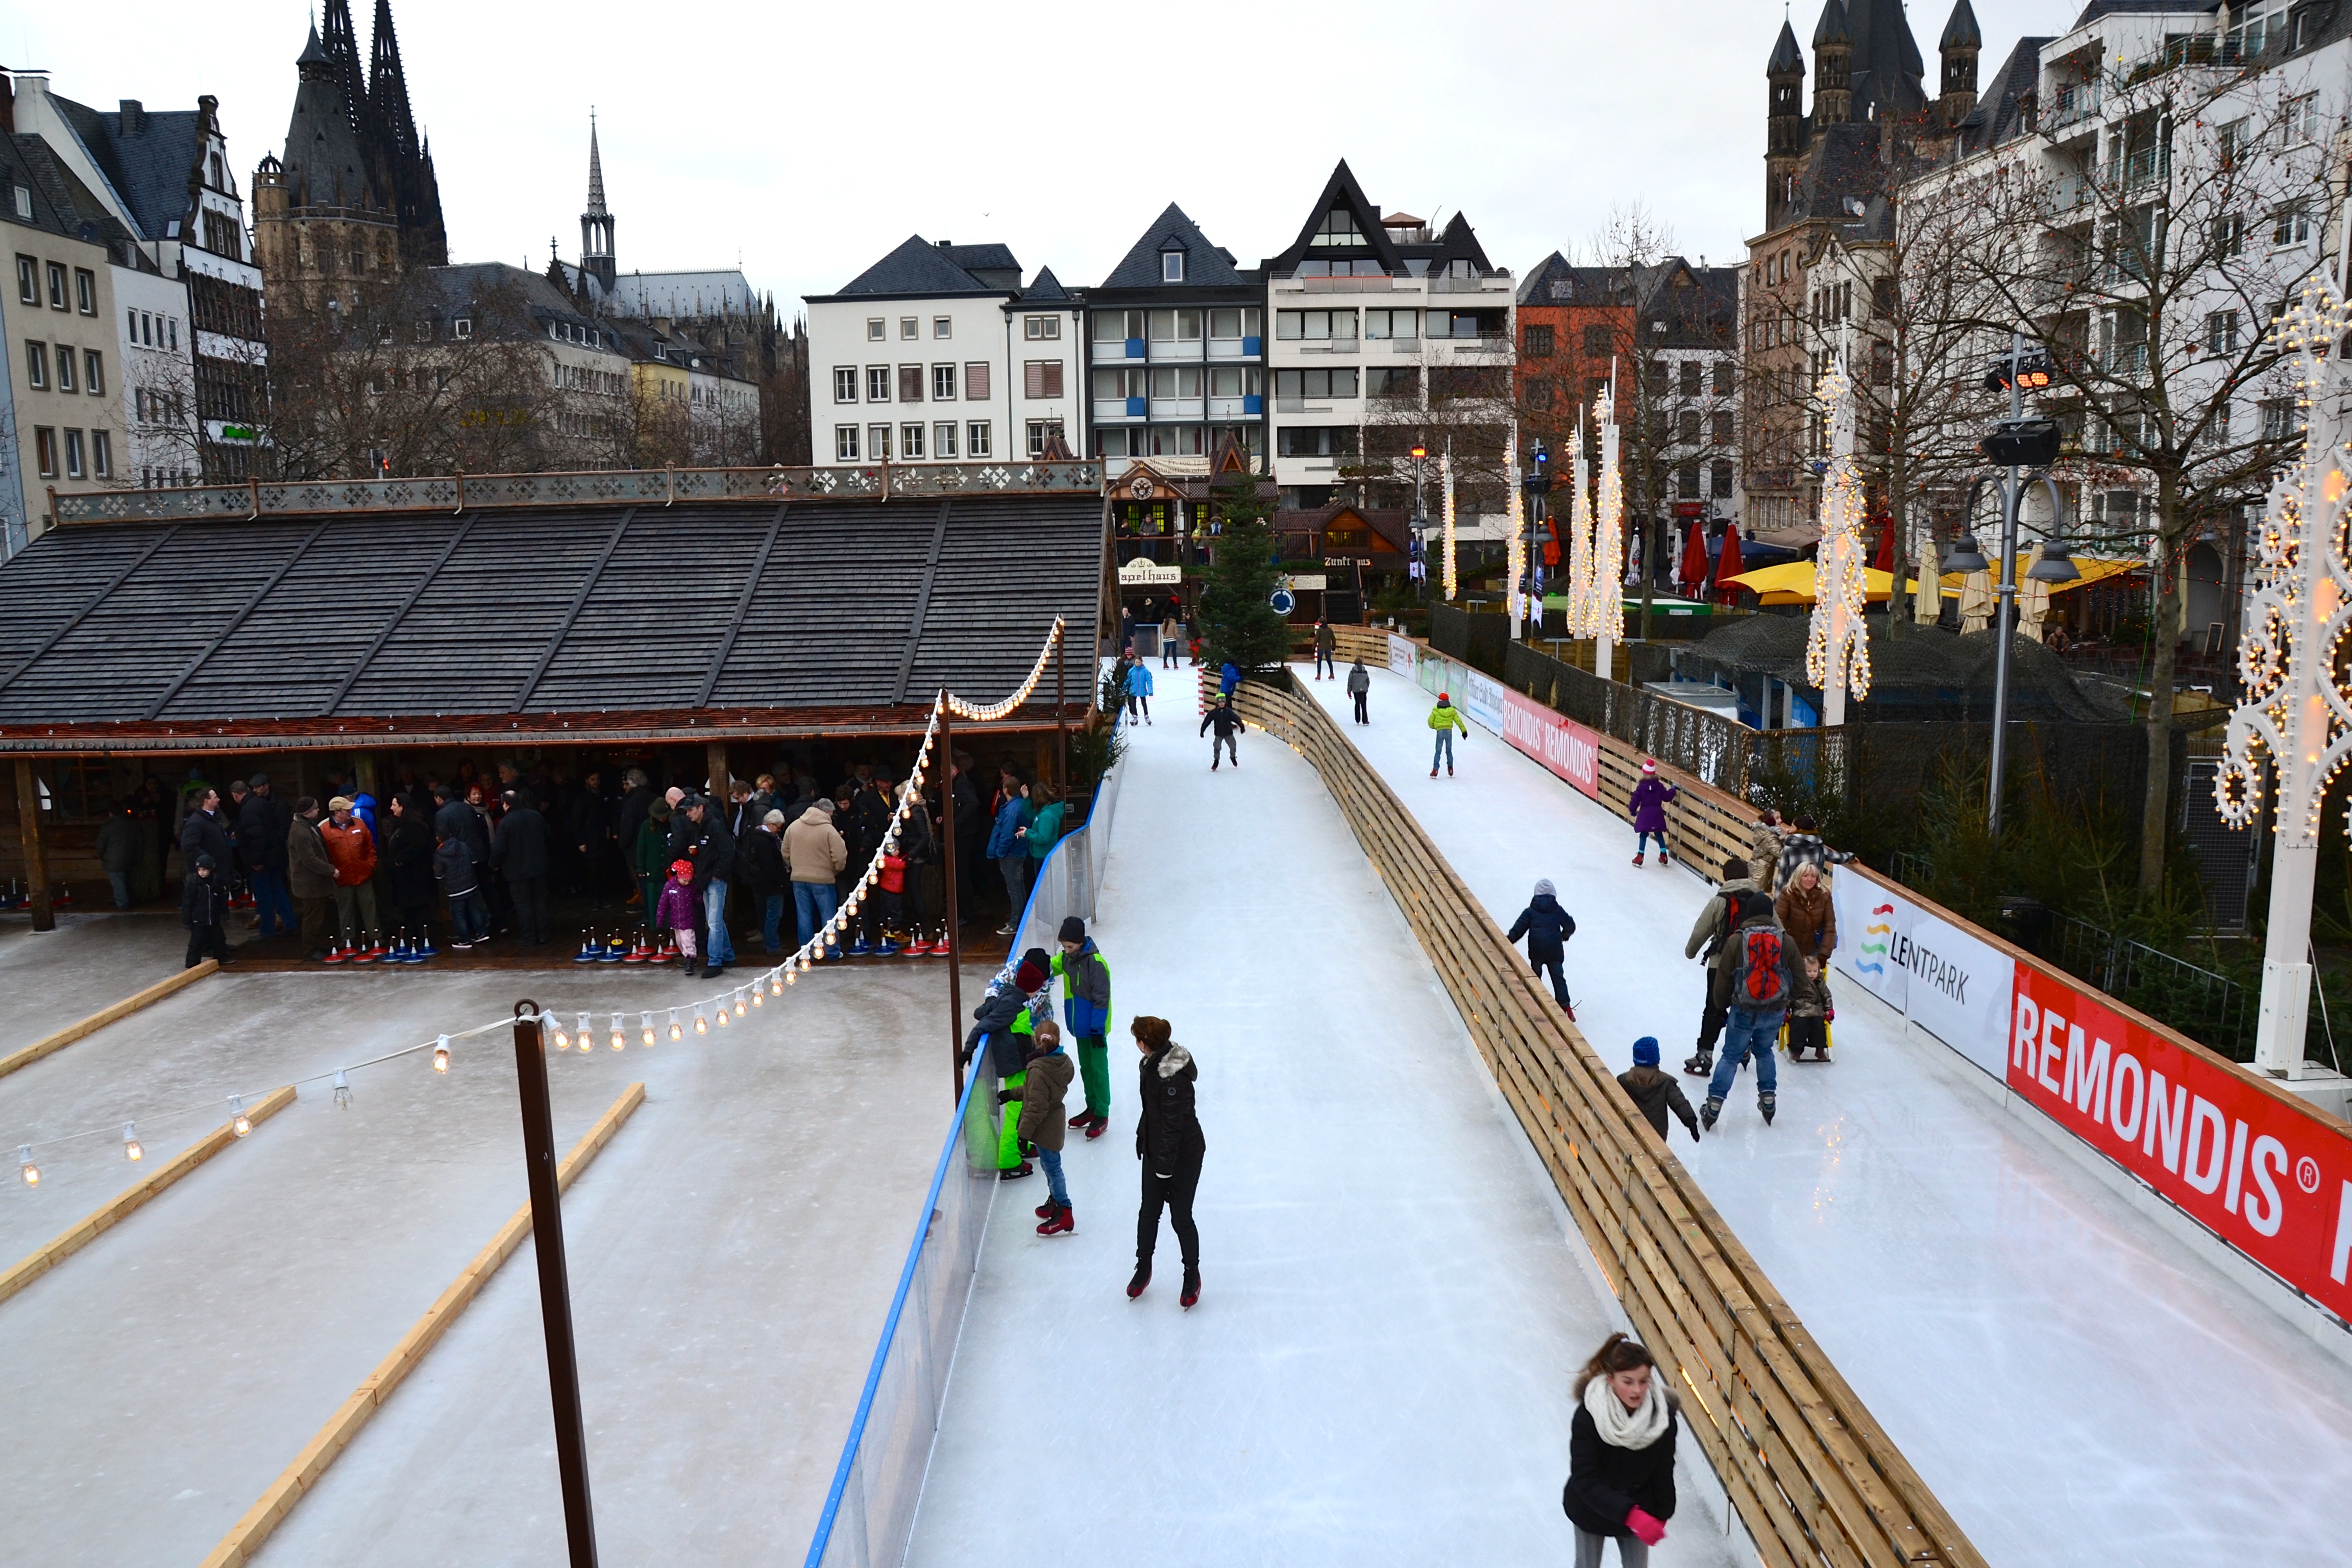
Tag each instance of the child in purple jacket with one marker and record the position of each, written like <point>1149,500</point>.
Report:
<point>1648,804</point>
<point>678,905</point>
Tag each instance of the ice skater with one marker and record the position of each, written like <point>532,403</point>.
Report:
<point>1007,1018</point>
<point>1325,645</point>
<point>1652,1092</point>
<point>1046,1079</point>
<point>1547,927</point>
<point>1168,1142</point>
<point>1759,1000</point>
<point>204,904</point>
<point>1171,636</point>
<point>1229,677</point>
<point>675,911</point>
<point>1648,805</point>
<point>1228,721</point>
<point>1809,918</point>
<point>1445,719</point>
<point>1359,687</point>
<point>1717,919</point>
<point>1620,1455</point>
<point>1086,1008</point>
<point>1139,691</point>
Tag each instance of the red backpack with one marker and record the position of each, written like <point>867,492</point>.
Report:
<point>1760,985</point>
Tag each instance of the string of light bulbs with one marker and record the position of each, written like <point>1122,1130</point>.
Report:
<point>1515,556</point>
<point>1445,502</point>
<point>1604,605</point>
<point>1837,647</point>
<point>1580,543</point>
<point>717,1010</point>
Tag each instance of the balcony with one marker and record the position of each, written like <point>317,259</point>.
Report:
<point>2071,105</point>
<point>1118,409</point>
<point>1339,285</point>
<point>1486,348</point>
<point>1236,407</point>
<point>1326,346</point>
<point>1172,408</point>
<point>1236,348</point>
<point>1299,406</point>
<point>1168,349</point>
<point>1500,280</point>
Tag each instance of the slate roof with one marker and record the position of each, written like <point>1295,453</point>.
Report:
<point>1206,265</point>
<point>918,267</point>
<point>1046,290</point>
<point>585,624</point>
<point>684,295</point>
<point>1999,113</point>
<point>63,204</point>
<point>1554,280</point>
<point>152,166</point>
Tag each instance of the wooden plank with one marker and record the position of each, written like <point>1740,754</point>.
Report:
<point>50,1044</point>
<point>136,1197</point>
<point>246,1536</point>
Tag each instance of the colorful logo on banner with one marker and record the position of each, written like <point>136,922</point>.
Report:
<point>1877,936</point>
<point>1951,982</point>
<point>2264,1175</point>
<point>1567,748</point>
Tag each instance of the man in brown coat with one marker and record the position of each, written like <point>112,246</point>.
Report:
<point>1047,1081</point>
<point>309,876</point>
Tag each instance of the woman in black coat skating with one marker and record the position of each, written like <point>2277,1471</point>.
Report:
<point>1547,927</point>
<point>1167,1141</point>
<point>1621,1447</point>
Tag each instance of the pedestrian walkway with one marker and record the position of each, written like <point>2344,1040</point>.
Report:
<point>1392,1306</point>
<point>2073,1383</point>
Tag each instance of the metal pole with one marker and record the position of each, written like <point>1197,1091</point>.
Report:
<point>2005,601</point>
<point>955,934</point>
<point>554,1287</point>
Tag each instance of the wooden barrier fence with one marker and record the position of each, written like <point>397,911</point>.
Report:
<point>1814,1477</point>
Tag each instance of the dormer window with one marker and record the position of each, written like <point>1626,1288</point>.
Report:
<point>463,327</point>
<point>1339,227</point>
<point>1171,266</point>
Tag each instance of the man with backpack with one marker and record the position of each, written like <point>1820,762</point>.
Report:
<point>1712,931</point>
<point>1759,999</point>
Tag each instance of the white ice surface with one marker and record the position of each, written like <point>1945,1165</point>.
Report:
<point>1376,1370</point>
<point>2075,1384</point>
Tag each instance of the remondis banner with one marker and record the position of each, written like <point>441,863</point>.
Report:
<point>1564,746</point>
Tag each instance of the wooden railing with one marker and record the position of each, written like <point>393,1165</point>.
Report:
<point>1814,1477</point>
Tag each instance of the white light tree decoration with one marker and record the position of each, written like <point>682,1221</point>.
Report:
<point>2297,712</point>
<point>1516,553</point>
<point>1605,610</point>
<point>1837,648</point>
<point>1579,541</point>
<point>1445,507</point>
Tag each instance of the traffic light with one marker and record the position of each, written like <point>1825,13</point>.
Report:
<point>1539,478</point>
<point>2029,371</point>
<point>2022,443</point>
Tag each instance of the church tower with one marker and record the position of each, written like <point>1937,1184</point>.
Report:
<point>1833,55</point>
<point>407,163</point>
<point>1961,41</point>
<point>596,223</point>
<point>1784,124</point>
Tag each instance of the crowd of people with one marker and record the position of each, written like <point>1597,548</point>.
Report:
<point>480,856</point>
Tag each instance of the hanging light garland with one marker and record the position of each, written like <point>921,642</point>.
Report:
<point>1837,645</point>
<point>721,1008</point>
<point>1445,508</point>
<point>1516,554</point>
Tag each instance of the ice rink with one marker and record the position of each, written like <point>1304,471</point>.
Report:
<point>1392,1305</point>
<point>2076,1385</point>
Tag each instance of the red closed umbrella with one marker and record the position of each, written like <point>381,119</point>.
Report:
<point>1729,567</point>
<point>1884,557</point>
<point>1694,572</point>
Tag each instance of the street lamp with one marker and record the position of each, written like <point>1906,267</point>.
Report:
<point>2297,710</point>
<point>2016,443</point>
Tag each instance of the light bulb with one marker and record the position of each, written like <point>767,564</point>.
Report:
<point>649,1028</point>
<point>24,1166</point>
<point>738,1003</point>
<point>701,1025</point>
<point>342,1090</point>
<point>791,976</point>
<point>563,1041</point>
<point>620,1034</point>
<point>804,965</point>
<point>131,1149</point>
<point>441,1054</point>
<point>721,1010</point>
<point>758,995</point>
<point>586,1032</point>
<point>674,1031</point>
<point>238,1121</point>
<point>776,980</point>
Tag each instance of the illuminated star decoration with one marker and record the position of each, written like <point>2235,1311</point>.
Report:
<point>1837,647</point>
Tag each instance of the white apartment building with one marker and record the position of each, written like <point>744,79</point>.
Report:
<point>938,354</point>
<point>158,388</point>
<point>1387,333</point>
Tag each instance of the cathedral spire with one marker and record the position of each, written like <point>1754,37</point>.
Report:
<point>597,224</point>
<point>388,88</point>
<point>595,171</point>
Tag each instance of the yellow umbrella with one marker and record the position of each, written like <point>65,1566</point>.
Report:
<point>1791,582</point>
<point>2093,570</point>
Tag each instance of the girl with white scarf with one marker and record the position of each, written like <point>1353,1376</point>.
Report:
<point>1620,1474</point>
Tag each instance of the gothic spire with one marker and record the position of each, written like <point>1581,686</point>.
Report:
<point>388,88</point>
<point>595,172</point>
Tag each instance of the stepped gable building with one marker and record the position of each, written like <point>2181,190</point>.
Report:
<point>1829,179</point>
<point>354,194</point>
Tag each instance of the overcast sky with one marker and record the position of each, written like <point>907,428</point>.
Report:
<point>808,140</point>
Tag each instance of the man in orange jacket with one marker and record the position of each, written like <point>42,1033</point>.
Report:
<point>352,848</point>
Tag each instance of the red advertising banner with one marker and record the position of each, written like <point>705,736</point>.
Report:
<point>2268,1178</point>
<point>1568,749</point>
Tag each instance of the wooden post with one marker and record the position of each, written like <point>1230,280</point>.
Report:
<point>715,756</point>
<point>555,1284</point>
<point>955,934</point>
<point>363,775</point>
<point>1061,718</point>
<point>36,857</point>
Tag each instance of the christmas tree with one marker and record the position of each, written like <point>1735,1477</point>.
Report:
<point>1238,622</point>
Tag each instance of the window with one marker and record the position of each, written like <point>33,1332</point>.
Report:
<point>463,327</point>
<point>93,373</point>
<point>1239,322</point>
<point>2291,226</point>
<point>1233,381</point>
<point>2302,118</point>
<point>2230,234</point>
<point>2229,143</point>
<point>1045,328</point>
<point>877,329</point>
<point>976,441</point>
<point>37,365</point>
<point>943,438</point>
<point>1176,380</point>
<point>1536,395</point>
<point>101,454</point>
<point>1398,325</point>
<point>845,384</point>
<point>1881,297</point>
<point>2221,332</point>
<point>878,384</point>
<point>909,328</point>
<point>975,381</point>
<point>1686,481</point>
<point>175,323</point>
<point>1534,341</point>
<point>1176,326</point>
<point>1597,344</point>
<point>910,384</point>
<point>1315,326</point>
<point>1041,378</point>
<point>878,443</point>
<point>1722,429</point>
<point>1296,383</point>
<point>943,383</point>
<point>1171,266</point>
<point>73,454</point>
<point>1723,370</point>
<point>1688,377</point>
<point>942,326</point>
<point>910,441</point>
<point>1316,441</point>
<point>2279,421</point>
<point>1719,478</point>
<point>25,203</point>
<point>1040,432</point>
<point>45,445</point>
<point>1339,227</point>
<point>1395,380</point>
<point>844,443</point>
<point>65,368</point>
<point>56,287</point>
<point>1687,428</point>
<point>28,280</point>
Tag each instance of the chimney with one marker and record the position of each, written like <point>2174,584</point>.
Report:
<point>134,117</point>
<point>7,106</point>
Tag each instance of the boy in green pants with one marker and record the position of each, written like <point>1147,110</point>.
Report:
<point>1007,1018</point>
<point>1086,1012</point>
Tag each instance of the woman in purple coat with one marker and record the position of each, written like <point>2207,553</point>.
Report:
<point>1648,804</point>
